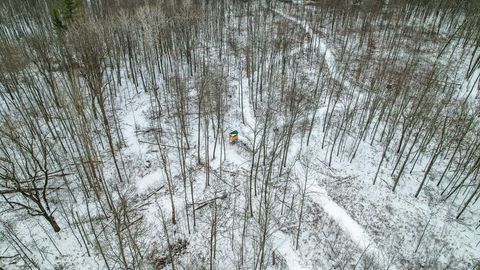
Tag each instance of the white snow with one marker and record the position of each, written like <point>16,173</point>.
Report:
<point>316,193</point>
<point>321,46</point>
<point>356,232</point>
<point>285,248</point>
<point>471,86</point>
<point>150,180</point>
<point>134,121</point>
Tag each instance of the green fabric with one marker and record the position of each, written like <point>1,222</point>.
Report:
<point>234,132</point>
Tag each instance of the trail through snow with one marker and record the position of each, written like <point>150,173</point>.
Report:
<point>354,230</point>
<point>134,121</point>
<point>285,248</point>
<point>316,193</point>
<point>320,45</point>
<point>282,241</point>
<point>342,218</point>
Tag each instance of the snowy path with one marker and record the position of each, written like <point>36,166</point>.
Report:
<point>133,121</point>
<point>354,230</point>
<point>320,45</point>
<point>316,193</point>
<point>288,252</point>
<point>282,242</point>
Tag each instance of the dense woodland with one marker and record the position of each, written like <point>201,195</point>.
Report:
<point>398,84</point>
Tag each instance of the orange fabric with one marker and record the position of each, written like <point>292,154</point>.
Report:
<point>233,138</point>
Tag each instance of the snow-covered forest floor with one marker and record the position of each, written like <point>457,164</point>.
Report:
<point>358,146</point>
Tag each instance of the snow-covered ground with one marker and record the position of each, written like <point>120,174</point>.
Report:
<point>345,222</point>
